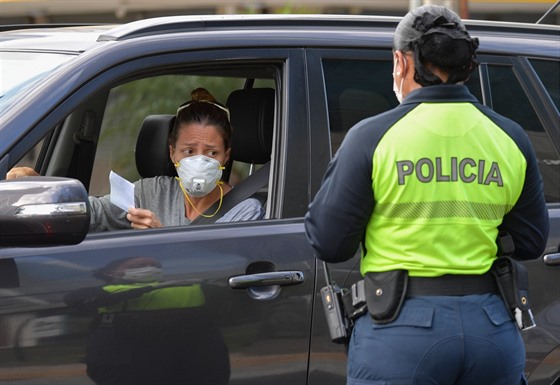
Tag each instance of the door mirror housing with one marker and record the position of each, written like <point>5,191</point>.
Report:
<point>43,211</point>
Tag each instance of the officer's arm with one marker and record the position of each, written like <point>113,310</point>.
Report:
<point>528,222</point>
<point>336,220</point>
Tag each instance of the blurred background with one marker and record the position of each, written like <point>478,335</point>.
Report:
<point>112,11</point>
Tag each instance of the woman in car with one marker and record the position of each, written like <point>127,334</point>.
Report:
<point>199,147</point>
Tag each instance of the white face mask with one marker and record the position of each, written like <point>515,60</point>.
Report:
<point>143,274</point>
<point>199,174</point>
<point>398,90</point>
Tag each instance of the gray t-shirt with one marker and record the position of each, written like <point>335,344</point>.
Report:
<point>163,196</point>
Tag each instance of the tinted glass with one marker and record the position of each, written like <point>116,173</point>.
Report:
<point>356,90</point>
<point>549,73</point>
<point>509,99</point>
<point>474,85</point>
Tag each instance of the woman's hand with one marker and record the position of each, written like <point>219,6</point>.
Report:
<point>142,219</point>
<point>20,172</point>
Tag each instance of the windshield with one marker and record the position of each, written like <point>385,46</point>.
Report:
<point>21,70</point>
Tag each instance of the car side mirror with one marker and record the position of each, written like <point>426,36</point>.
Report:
<point>43,211</point>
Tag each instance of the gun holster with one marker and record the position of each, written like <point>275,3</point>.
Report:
<point>513,282</point>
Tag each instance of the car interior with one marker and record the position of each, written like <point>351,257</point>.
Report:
<point>102,135</point>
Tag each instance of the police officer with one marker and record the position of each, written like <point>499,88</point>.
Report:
<point>425,189</point>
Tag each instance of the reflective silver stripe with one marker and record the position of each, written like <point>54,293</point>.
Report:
<point>443,209</point>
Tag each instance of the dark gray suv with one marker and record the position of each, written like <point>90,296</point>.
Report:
<point>234,303</point>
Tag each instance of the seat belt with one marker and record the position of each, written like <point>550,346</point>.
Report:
<point>238,194</point>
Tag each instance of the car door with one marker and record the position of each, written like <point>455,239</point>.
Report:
<point>245,332</point>
<point>526,91</point>
<point>222,303</point>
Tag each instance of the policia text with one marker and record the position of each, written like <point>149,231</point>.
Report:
<point>467,170</point>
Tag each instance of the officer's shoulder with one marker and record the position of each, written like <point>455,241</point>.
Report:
<point>509,126</point>
<point>379,123</point>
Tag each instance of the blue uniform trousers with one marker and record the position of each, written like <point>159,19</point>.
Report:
<point>440,340</point>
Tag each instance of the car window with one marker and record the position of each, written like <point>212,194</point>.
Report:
<point>473,83</point>
<point>100,135</point>
<point>510,100</point>
<point>129,104</point>
<point>356,89</point>
<point>549,73</point>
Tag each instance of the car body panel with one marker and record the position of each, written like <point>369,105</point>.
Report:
<point>260,328</point>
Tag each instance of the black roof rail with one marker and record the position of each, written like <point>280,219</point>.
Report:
<point>170,24</point>
<point>511,27</point>
<point>13,27</point>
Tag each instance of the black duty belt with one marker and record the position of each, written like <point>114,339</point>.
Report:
<point>452,285</point>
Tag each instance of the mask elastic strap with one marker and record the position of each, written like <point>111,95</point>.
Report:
<point>192,204</point>
<point>404,71</point>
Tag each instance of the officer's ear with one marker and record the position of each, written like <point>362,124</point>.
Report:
<point>400,64</point>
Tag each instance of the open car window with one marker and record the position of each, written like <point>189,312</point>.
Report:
<point>101,135</point>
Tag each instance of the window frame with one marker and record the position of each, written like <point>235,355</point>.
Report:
<point>286,199</point>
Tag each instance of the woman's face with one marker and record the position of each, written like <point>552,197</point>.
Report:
<point>197,139</point>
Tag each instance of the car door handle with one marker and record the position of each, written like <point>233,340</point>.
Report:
<point>282,278</point>
<point>552,259</point>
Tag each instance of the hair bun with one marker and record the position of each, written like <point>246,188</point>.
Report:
<point>202,94</point>
<point>427,21</point>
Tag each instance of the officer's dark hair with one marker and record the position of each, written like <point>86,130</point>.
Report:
<point>436,35</point>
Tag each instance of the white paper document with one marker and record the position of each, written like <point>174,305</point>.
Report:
<point>122,191</point>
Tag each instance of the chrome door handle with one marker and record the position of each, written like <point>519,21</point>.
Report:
<point>281,278</point>
<point>552,259</point>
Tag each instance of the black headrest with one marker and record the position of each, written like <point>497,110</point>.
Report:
<point>152,149</point>
<point>252,118</point>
